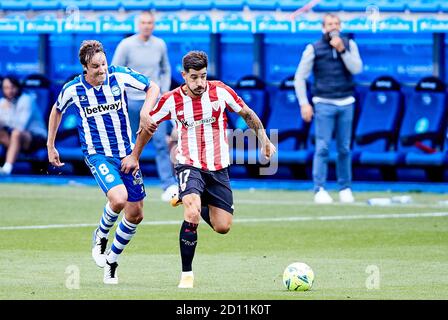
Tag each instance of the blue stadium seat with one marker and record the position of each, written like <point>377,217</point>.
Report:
<point>229,4</point>
<point>291,5</point>
<point>40,86</point>
<point>392,5</point>
<point>79,4</point>
<point>165,5</point>
<point>14,5</point>
<point>292,130</point>
<point>423,131</point>
<point>378,124</point>
<point>67,139</point>
<point>137,4</point>
<point>423,6</point>
<point>253,91</point>
<point>354,5</point>
<point>262,4</point>
<point>197,4</point>
<point>44,5</point>
<point>444,6</point>
<point>100,5</point>
<point>327,6</point>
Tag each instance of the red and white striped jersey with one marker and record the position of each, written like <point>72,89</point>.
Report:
<point>201,123</point>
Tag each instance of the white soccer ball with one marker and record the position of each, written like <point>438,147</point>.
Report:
<point>298,276</point>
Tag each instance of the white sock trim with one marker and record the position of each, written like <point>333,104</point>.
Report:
<point>187,273</point>
<point>110,211</point>
<point>126,222</point>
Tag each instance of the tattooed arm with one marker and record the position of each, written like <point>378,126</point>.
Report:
<point>253,122</point>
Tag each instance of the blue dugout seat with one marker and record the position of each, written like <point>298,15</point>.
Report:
<point>378,124</point>
<point>270,5</point>
<point>165,5</point>
<point>354,5</point>
<point>197,4</point>
<point>424,6</point>
<point>14,5</point>
<point>79,4</point>
<point>391,5</point>
<point>44,5</point>
<point>229,4</point>
<point>67,139</point>
<point>327,6</point>
<point>40,87</point>
<point>422,133</point>
<point>444,6</point>
<point>285,117</point>
<point>253,92</point>
<point>100,5</point>
<point>291,5</point>
<point>137,4</point>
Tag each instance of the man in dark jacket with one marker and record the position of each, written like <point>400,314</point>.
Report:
<point>334,60</point>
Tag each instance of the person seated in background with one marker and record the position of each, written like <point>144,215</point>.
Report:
<point>22,126</point>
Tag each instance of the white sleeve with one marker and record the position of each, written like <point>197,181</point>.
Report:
<point>65,99</point>
<point>132,78</point>
<point>162,111</point>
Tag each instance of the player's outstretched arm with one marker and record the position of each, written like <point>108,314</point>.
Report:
<point>253,122</point>
<point>53,126</point>
<point>131,162</point>
<point>150,100</point>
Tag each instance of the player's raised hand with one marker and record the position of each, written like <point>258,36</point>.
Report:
<point>268,150</point>
<point>53,157</point>
<point>130,163</point>
<point>147,123</point>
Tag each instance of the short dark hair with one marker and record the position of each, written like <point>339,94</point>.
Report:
<point>331,15</point>
<point>88,49</point>
<point>15,82</point>
<point>195,60</point>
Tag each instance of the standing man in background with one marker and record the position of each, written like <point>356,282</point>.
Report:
<point>334,60</point>
<point>147,54</point>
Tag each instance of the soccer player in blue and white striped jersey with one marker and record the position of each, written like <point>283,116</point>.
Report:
<point>99,99</point>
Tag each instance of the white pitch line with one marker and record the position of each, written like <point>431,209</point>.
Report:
<point>312,203</point>
<point>254,220</point>
<point>357,203</point>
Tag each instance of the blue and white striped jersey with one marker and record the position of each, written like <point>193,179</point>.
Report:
<point>102,115</point>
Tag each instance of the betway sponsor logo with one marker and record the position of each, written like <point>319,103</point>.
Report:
<point>101,109</point>
<point>192,124</point>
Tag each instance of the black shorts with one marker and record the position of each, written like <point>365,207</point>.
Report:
<point>212,186</point>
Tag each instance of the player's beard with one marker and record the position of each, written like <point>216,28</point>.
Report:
<point>197,91</point>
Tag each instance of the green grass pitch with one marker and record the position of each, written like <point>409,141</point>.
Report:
<point>356,251</point>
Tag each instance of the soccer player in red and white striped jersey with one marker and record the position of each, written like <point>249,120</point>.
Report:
<point>198,107</point>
